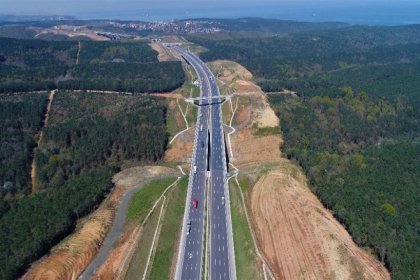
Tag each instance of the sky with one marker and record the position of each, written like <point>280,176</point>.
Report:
<point>353,11</point>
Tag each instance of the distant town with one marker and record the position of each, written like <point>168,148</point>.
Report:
<point>177,27</point>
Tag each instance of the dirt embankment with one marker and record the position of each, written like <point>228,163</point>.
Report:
<point>70,31</point>
<point>167,95</point>
<point>297,236</point>
<point>68,259</point>
<point>181,148</point>
<point>163,54</point>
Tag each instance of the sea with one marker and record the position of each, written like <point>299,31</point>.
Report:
<point>381,12</point>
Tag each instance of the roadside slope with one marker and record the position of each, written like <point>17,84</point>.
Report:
<point>297,236</point>
<point>68,259</point>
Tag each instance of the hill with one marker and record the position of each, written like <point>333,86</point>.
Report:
<point>33,65</point>
<point>353,124</point>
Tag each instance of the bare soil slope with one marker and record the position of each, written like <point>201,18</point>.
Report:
<point>297,236</point>
<point>163,55</point>
<point>68,259</point>
<point>300,238</point>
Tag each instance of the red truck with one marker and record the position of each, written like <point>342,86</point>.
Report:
<point>195,202</point>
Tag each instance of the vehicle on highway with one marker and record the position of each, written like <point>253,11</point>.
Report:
<point>223,200</point>
<point>201,128</point>
<point>190,255</point>
<point>195,202</point>
<point>195,169</point>
<point>189,227</point>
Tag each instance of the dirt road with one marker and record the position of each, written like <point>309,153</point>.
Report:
<point>87,248</point>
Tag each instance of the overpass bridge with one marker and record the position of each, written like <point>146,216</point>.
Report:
<point>209,99</point>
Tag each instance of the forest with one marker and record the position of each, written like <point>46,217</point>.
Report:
<point>353,125</point>
<point>89,137</point>
<point>35,223</point>
<point>20,121</point>
<point>106,129</point>
<point>277,60</point>
<point>34,65</point>
<point>122,77</point>
<point>361,158</point>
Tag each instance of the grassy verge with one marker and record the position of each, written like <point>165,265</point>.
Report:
<point>245,256</point>
<point>190,89</point>
<point>171,125</point>
<point>226,112</point>
<point>191,114</point>
<point>143,200</point>
<point>189,70</point>
<point>266,130</point>
<point>141,253</point>
<point>244,184</point>
<point>171,225</point>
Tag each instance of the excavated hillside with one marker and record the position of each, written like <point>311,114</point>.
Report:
<point>297,236</point>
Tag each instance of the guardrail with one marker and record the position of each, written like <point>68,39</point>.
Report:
<point>232,264</point>
<point>181,251</point>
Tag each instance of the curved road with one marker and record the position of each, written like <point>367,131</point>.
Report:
<point>116,230</point>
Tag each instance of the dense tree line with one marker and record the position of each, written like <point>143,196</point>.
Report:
<point>88,137</point>
<point>35,223</point>
<point>359,157</point>
<point>353,127</point>
<point>100,52</point>
<point>276,60</point>
<point>27,65</point>
<point>132,77</point>
<point>20,120</point>
<point>361,163</point>
<point>32,65</point>
<point>125,128</point>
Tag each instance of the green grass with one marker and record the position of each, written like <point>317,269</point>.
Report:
<point>244,184</point>
<point>246,259</point>
<point>171,125</point>
<point>191,114</point>
<point>143,200</point>
<point>189,71</point>
<point>171,226</point>
<point>226,112</point>
<point>190,89</point>
<point>267,130</point>
<point>141,254</point>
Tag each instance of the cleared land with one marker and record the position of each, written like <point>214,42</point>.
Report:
<point>296,235</point>
<point>301,239</point>
<point>71,257</point>
<point>164,54</point>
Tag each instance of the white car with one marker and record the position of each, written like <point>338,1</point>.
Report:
<point>190,255</point>
<point>189,227</point>
<point>223,200</point>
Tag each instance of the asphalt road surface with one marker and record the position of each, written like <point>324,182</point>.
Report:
<point>191,251</point>
<point>221,257</point>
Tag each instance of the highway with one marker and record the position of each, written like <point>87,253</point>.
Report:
<point>221,261</point>
<point>190,257</point>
